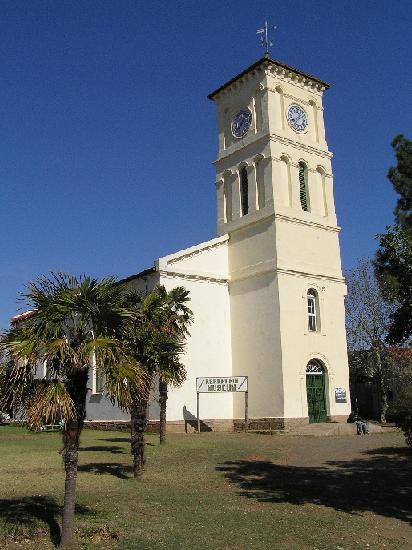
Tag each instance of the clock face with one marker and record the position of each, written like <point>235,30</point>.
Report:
<point>241,123</point>
<point>297,118</point>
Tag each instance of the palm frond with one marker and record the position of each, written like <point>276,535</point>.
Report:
<point>50,402</point>
<point>120,377</point>
<point>16,383</point>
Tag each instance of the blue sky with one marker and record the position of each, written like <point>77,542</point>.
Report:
<point>107,138</point>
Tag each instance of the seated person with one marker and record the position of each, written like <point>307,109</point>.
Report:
<point>361,425</point>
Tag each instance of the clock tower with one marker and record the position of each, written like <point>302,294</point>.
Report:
<point>275,202</point>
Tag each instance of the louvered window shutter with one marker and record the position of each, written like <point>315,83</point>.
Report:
<point>303,192</point>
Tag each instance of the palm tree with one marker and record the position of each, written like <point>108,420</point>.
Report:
<point>141,337</point>
<point>155,339</point>
<point>73,327</point>
<point>176,320</point>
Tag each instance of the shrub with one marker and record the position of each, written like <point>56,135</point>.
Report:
<point>403,412</point>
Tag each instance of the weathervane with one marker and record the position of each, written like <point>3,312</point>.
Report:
<point>264,37</point>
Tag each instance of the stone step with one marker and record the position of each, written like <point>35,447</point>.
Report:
<point>336,428</point>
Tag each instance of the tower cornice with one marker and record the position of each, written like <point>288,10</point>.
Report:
<point>277,67</point>
<point>281,139</point>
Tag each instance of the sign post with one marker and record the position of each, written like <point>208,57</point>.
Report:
<point>197,414</point>
<point>225,384</point>
<point>246,411</point>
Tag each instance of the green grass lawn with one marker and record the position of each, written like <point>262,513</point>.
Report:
<point>214,491</point>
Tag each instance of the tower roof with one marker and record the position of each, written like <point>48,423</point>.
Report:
<point>266,60</point>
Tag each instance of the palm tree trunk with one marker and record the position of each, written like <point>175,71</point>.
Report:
<point>138,425</point>
<point>77,387</point>
<point>71,436</point>
<point>162,416</point>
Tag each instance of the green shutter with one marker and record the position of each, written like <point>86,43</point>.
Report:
<point>302,187</point>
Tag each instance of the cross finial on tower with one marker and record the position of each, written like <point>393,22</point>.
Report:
<point>264,37</point>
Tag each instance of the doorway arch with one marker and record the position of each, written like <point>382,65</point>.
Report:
<point>315,390</point>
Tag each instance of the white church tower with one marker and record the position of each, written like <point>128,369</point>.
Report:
<point>275,202</point>
<point>267,293</point>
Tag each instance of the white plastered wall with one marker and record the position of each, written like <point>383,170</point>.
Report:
<point>255,318</point>
<point>202,270</point>
<point>299,345</point>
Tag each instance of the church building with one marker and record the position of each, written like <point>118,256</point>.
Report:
<point>267,293</point>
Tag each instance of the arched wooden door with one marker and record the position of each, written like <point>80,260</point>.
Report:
<point>315,389</point>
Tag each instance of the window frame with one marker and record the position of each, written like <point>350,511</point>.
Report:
<point>313,317</point>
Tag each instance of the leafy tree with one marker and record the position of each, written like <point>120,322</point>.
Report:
<point>155,339</point>
<point>401,178</point>
<point>402,404</point>
<point>393,266</point>
<point>73,327</point>
<point>368,317</point>
<point>393,261</point>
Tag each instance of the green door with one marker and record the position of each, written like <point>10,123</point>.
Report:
<point>315,388</point>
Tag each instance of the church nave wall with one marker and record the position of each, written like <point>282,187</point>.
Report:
<point>208,349</point>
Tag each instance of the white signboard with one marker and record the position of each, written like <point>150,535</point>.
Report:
<point>206,384</point>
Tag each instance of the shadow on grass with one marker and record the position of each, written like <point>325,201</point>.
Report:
<point>380,483</point>
<point>104,448</point>
<point>26,512</point>
<point>391,451</point>
<point>116,439</point>
<point>117,469</point>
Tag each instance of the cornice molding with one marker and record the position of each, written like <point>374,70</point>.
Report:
<point>168,274</point>
<point>164,261</point>
<point>195,251</point>
<point>281,139</point>
<point>310,223</point>
<point>268,213</point>
<point>299,80</point>
<point>252,219</point>
<point>269,66</point>
<point>308,275</point>
<point>243,147</point>
<point>301,146</point>
<point>269,266</point>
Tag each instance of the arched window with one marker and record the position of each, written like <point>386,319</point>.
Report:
<point>303,186</point>
<point>244,191</point>
<point>313,310</point>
